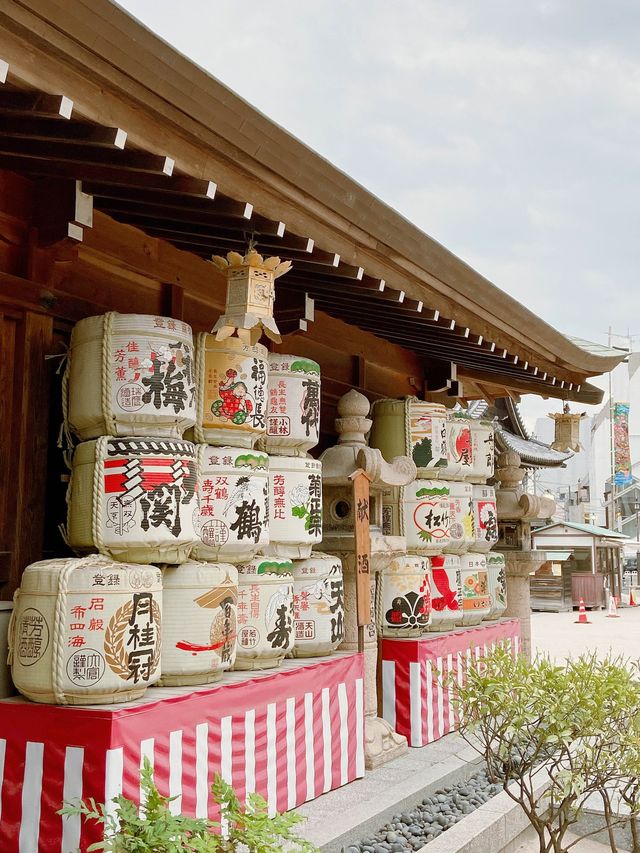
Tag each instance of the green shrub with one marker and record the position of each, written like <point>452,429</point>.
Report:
<point>575,724</point>
<point>154,829</point>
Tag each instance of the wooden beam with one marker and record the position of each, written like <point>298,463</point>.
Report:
<point>66,132</point>
<point>32,103</point>
<point>61,210</point>
<point>342,270</point>
<point>180,192</point>
<point>82,154</point>
<point>441,376</point>
<point>208,237</point>
<point>75,171</point>
<point>342,290</point>
<point>293,312</point>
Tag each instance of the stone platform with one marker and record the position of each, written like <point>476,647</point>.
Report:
<point>290,734</point>
<point>416,673</point>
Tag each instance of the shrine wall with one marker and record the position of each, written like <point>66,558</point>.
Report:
<point>47,284</point>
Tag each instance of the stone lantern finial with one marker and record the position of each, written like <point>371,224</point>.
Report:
<point>353,423</point>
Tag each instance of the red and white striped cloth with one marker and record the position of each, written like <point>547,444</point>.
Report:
<point>290,735</point>
<point>416,699</point>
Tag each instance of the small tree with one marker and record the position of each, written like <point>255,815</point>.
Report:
<point>567,725</point>
<point>154,829</point>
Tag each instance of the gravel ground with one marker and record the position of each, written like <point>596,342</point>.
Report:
<point>411,830</point>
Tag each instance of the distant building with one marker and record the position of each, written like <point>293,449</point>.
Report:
<point>584,485</point>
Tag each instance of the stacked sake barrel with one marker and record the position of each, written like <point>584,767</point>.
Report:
<point>448,514</point>
<point>260,492</point>
<point>295,501</point>
<point>86,631</point>
<point>90,630</point>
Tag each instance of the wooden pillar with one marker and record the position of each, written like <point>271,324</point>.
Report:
<point>28,425</point>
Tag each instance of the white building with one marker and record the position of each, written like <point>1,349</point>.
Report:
<point>582,488</point>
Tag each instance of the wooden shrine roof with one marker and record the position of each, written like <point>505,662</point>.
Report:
<point>94,102</point>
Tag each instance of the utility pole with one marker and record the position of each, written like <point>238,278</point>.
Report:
<point>612,520</point>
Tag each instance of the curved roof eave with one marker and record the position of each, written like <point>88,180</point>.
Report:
<point>217,128</point>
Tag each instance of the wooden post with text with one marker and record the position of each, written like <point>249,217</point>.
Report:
<point>361,482</point>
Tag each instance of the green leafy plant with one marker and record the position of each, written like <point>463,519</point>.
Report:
<point>154,829</point>
<point>555,734</point>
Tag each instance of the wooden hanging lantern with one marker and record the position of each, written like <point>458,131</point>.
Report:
<point>250,296</point>
<point>567,429</point>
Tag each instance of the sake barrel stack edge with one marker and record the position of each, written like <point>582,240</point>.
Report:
<point>497,575</point>
<point>133,499</point>
<point>403,597</point>
<point>130,374</point>
<point>460,444</point>
<point>427,515</point>
<point>318,605</point>
<point>485,518</point>
<point>265,613</point>
<point>476,597</point>
<point>295,506</point>
<point>200,622</point>
<point>232,522</point>
<point>446,592</point>
<point>86,631</point>
<point>293,405</point>
<point>413,428</point>
<point>461,530</point>
<point>231,391</point>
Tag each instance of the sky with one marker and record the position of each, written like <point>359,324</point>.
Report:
<point>508,130</point>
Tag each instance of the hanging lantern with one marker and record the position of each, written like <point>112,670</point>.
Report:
<point>567,429</point>
<point>250,296</point>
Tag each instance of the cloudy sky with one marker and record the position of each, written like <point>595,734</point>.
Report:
<point>508,130</point>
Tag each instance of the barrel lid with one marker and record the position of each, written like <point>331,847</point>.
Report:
<point>236,458</point>
<point>297,364</point>
<point>266,566</point>
<point>209,342</point>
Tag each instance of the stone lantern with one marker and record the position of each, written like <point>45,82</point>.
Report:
<point>338,463</point>
<point>516,510</point>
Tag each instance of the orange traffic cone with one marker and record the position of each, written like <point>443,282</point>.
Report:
<point>632,599</point>
<point>613,608</point>
<point>582,614</point>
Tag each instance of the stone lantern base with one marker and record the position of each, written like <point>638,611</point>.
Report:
<point>520,564</point>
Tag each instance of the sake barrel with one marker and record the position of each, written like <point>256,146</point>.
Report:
<point>461,533</point>
<point>414,428</point>
<point>497,574</point>
<point>403,597</point>
<point>482,451</point>
<point>133,499</point>
<point>265,613</point>
<point>485,518</point>
<point>293,405</point>
<point>476,597</point>
<point>446,592</point>
<point>318,605</point>
<point>231,522</point>
<point>427,515</point>
<point>459,444</point>
<point>231,391</point>
<point>200,622</point>
<point>295,506</point>
<point>86,631</point>
<point>130,374</point>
